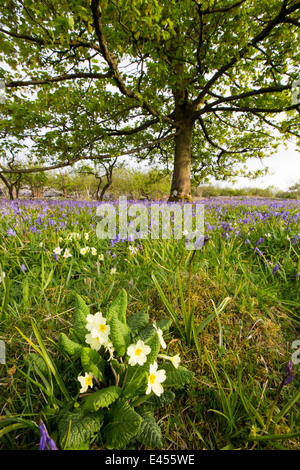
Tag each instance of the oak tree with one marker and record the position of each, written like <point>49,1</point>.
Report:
<point>200,86</point>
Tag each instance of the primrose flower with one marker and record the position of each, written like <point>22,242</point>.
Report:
<point>86,236</point>
<point>94,251</point>
<point>100,328</point>
<point>101,257</point>
<point>155,379</point>
<point>57,250</point>
<point>83,251</point>
<point>86,381</point>
<point>93,319</point>
<point>160,335</point>
<point>99,331</point>
<point>94,343</point>
<point>174,359</point>
<point>67,253</point>
<point>113,271</point>
<point>137,353</point>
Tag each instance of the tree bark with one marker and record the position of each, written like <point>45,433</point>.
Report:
<point>181,181</point>
<point>10,187</point>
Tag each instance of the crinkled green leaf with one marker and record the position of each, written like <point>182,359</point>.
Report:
<point>102,398</point>
<point>81,312</point>
<point>91,361</point>
<point>77,426</point>
<point>120,335</point>
<point>146,333</point>
<point>80,304</point>
<point>164,324</point>
<point>72,348</point>
<point>137,322</point>
<point>118,307</point>
<point>163,400</point>
<point>136,385</point>
<point>149,433</point>
<point>121,425</point>
<point>177,377</point>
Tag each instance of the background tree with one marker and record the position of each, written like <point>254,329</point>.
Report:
<point>205,84</point>
<point>103,172</point>
<point>295,190</point>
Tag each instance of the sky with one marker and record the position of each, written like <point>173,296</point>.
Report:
<point>284,170</point>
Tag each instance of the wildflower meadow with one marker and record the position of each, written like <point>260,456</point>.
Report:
<point>135,343</point>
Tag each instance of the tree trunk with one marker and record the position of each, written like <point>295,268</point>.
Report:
<point>10,187</point>
<point>104,189</point>
<point>11,192</point>
<point>181,181</point>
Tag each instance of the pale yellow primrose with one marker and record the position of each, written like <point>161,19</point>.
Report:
<point>155,379</point>
<point>137,353</point>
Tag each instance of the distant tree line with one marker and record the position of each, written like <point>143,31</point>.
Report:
<point>90,183</point>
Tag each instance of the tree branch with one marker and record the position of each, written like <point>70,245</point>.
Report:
<point>260,91</point>
<point>106,156</point>
<point>259,37</point>
<point>59,78</point>
<point>244,109</point>
<point>111,61</point>
<point>223,10</point>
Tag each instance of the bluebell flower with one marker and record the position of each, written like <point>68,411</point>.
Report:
<point>46,442</point>
<point>261,240</point>
<point>275,269</point>
<point>258,251</point>
<point>11,232</point>
<point>288,374</point>
<point>23,267</point>
<point>295,239</point>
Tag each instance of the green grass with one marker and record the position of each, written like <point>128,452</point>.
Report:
<point>233,325</point>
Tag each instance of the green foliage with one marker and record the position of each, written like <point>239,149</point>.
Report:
<point>232,396</point>
<point>122,424</point>
<point>227,69</point>
<point>119,406</point>
<point>102,398</point>
<point>76,427</point>
<point>92,362</point>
